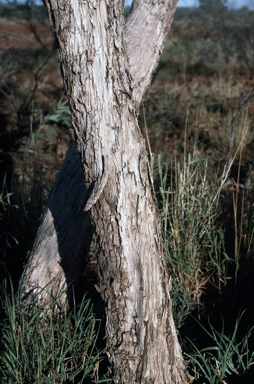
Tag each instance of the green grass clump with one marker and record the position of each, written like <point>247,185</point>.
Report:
<point>194,242</point>
<point>227,357</point>
<point>61,117</point>
<point>43,346</point>
<point>182,304</point>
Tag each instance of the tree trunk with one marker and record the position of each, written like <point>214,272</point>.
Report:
<point>106,70</point>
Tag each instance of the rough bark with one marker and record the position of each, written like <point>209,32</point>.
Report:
<point>106,71</point>
<point>145,33</point>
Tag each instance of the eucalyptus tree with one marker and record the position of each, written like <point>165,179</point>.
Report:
<point>106,68</point>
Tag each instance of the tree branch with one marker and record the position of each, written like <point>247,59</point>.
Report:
<point>145,33</point>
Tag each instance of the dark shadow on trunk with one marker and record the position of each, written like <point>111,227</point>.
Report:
<point>60,252</point>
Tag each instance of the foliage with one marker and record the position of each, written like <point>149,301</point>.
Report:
<point>213,7</point>
<point>61,117</point>
<point>182,304</point>
<point>195,94</point>
<point>226,357</point>
<point>194,242</point>
<point>43,346</point>
<point>126,12</point>
<point>208,39</point>
<point>26,10</point>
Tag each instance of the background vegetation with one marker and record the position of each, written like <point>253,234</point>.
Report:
<point>206,70</point>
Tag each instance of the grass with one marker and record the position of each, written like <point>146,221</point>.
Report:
<point>194,241</point>
<point>210,249</point>
<point>228,356</point>
<point>196,251</point>
<point>61,116</point>
<point>39,347</point>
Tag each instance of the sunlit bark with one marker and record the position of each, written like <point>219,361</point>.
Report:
<point>106,69</point>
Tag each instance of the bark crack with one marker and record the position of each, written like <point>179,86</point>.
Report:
<point>98,186</point>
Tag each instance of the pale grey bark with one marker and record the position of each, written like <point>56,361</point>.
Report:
<point>106,71</point>
<point>145,34</point>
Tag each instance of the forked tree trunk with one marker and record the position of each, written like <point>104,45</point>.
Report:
<point>106,70</point>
